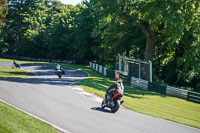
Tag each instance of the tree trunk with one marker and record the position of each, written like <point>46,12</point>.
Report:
<point>149,50</point>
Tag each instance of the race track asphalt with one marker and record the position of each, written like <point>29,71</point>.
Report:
<point>53,99</point>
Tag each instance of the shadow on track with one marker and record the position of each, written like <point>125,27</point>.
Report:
<point>101,110</point>
<point>45,74</point>
<point>42,70</point>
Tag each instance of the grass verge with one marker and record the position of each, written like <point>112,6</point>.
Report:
<point>146,102</point>
<point>13,73</point>
<point>15,121</point>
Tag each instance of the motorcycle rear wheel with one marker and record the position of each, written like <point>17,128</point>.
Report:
<point>102,105</point>
<point>116,107</point>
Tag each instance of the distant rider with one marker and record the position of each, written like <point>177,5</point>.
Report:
<point>118,86</point>
<point>58,67</point>
<point>15,64</point>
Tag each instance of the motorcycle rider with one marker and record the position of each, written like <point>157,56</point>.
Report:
<point>119,88</point>
<point>16,64</point>
<point>58,67</point>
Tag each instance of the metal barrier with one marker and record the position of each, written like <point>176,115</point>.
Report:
<point>194,96</point>
<point>100,69</point>
<point>139,83</point>
<point>172,91</point>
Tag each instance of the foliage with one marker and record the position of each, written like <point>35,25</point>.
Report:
<point>165,32</point>
<point>83,43</point>
<point>3,11</point>
<point>3,47</point>
<point>59,33</point>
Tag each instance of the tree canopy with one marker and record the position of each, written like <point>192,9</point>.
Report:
<point>3,11</point>
<point>165,32</point>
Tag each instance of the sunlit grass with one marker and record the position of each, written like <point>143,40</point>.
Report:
<point>6,60</point>
<point>15,121</point>
<point>13,73</point>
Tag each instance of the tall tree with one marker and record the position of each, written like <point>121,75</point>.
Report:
<point>60,32</point>
<point>24,21</point>
<point>154,17</point>
<point>83,43</point>
<point>3,11</point>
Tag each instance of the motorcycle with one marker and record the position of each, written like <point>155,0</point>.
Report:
<point>59,73</point>
<point>16,65</point>
<point>113,102</point>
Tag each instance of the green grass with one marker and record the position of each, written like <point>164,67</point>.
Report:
<point>6,60</point>
<point>13,73</point>
<point>15,121</point>
<point>146,102</point>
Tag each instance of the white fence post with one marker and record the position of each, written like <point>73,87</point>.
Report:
<point>104,71</point>
<point>126,67</point>
<point>150,67</point>
<point>120,65</point>
<point>93,66</point>
<point>96,67</point>
<point>100,69</point>
<point>139,74</point>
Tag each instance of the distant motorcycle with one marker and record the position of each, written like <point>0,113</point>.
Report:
<point>16,64</point>
<point>113,102</point>
<point>59,73</point>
